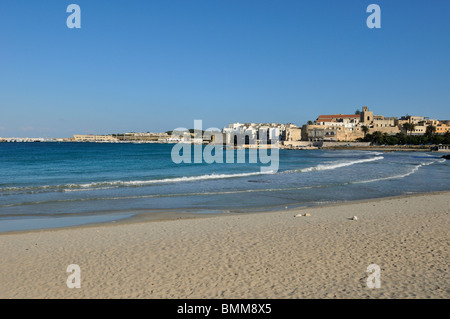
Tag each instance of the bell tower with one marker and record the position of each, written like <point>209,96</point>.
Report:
<point>366,116</point>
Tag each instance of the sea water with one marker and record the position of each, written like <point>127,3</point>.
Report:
<point>46,185</point>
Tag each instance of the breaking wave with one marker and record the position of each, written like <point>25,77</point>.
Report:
<point>114,184</point>
<point>335,165</point>
<point>412,171</point>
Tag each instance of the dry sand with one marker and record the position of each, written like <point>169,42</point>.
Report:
<point>261,255</point>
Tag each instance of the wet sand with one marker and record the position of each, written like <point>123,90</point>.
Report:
<point>257,255</point>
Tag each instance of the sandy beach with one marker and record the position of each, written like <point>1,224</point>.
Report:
<point>257,255</point>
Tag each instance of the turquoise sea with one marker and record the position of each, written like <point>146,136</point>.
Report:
<point>46,185</point>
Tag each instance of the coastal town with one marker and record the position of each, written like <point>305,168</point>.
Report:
<point>363,128</point>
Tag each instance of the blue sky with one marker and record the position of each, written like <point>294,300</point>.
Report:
<point>157,65</point>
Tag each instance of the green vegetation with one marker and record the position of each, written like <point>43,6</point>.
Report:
<point>403,139</point>
<point>409,127</point>
<point>430,130</point>
<point>365,130</point>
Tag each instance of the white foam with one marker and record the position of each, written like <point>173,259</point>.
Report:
<point>87,189</point>
<point>162,195</point>
<point>412,171</point>
<point>186,179</point>
<point>376,153</point>
<point>415,169</point>
<point>113,184</point>
<point>334,165</point>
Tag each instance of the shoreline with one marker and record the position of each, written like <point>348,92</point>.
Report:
<point>166,216</point>
<point>252,255</point>
<point>399,148</point>
<point>385,148</point>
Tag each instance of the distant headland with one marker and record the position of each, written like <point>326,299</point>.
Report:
<point>362,130</point>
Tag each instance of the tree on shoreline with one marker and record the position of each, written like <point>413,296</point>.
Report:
<point>403,139</point>
<point>409,127</point>
<point>430,130</point>
<point>377,137</point>
<point>365,130</point>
